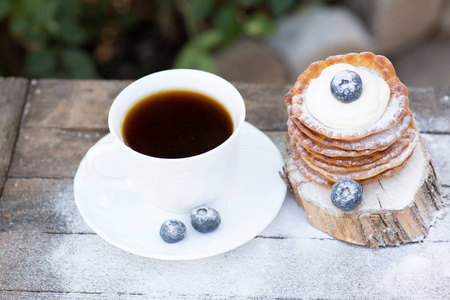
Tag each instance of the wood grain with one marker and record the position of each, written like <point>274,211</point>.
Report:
<point>395,210</point>
<point>51,152</point>
<point>78,104</point>
<point>40,205</point>
<point>265,105</point>
<point>71,104</point>
<point>48,252</point>
<point>294,268</point>
<point>431,109</point>
<point>12,100</point>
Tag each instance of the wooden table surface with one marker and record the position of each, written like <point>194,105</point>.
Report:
<point>48,252</point>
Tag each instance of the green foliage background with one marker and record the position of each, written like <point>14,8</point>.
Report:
<point>125,38</point>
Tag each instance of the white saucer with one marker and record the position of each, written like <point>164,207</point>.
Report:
<point>248,206</point>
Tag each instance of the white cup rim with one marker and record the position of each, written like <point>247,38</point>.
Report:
<point>237,127</point>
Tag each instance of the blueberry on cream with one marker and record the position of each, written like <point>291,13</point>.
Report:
<point>339,99</point>
<point>346,86</point>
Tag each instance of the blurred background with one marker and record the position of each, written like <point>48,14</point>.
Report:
<point>261,41</point>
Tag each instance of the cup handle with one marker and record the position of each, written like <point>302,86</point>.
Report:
<point>104,164</point>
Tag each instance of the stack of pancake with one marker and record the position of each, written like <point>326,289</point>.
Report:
<point>327,155</point>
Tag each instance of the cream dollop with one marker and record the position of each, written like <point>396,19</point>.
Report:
<point>358,114</point>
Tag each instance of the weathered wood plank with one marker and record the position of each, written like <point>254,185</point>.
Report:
<point>431,108</point>
<point>56,153</point>
<point>265,105</point>
<point>12,99</point>
<point>51,152</point>
<point>69,104</point>
<point>34,200</point>
<point>84,104</point>
<point>48,252</point>
<point>40,205</point>
<point>264,268</point>
<point>438,145</point>
<point>25,295</point>
<point>47,206</point>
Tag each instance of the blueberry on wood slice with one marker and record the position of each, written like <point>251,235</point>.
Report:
<point>346,86</point>
<point>346,194</point>
<point>395,210</point>
<point>205,219</point>
<point>172,231</point>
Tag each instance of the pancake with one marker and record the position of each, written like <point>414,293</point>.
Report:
<point>379,140</point>
<point>335,173</point>
<point>391,156</point>
<point>316,147</point>
<point>376,64</point>
<point>327,155</point>
<point>311,174</point>
<point>355,162</point>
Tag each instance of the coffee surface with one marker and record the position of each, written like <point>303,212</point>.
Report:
<point>176,124</point>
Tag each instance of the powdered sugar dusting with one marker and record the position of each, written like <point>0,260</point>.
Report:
<point>377,140</point>
<point>397,107</point>
<point>336,175</point>
<point>327,155</point>
<point>394,111</point>
<point>340,105</point>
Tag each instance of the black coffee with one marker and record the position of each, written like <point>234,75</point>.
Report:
<point>176,124</point>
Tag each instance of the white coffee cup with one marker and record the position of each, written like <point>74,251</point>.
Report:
<point>178,184</point>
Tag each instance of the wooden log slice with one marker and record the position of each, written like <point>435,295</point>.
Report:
<point>395,210</point>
